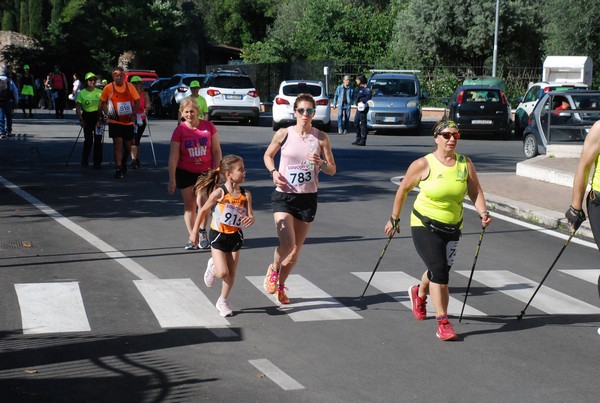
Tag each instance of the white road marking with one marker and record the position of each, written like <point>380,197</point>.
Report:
<point>52,308</point>
<point>275,374</point>
<point>591,276</point>
<point>546,300</point>
<point>396,285</point>
<point>178,303</point>
<point>113,253</point>
<point>309,303</point>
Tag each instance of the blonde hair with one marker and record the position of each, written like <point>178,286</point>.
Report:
<point>189,102</point>
<point>214,177</point>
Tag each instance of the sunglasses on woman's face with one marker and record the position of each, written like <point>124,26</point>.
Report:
<point>447,135</point>
<point>308,111</point>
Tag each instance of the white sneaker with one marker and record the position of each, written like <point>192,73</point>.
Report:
<point>223,307</point>
<point>209,274</point>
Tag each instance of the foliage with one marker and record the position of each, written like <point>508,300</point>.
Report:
<point>571,29</point>
<point>447,32</point>
<point>321,29</point>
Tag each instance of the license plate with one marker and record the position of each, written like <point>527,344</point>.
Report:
<point>389,120</point>
<point>481,122</point>
<point>238,97</point>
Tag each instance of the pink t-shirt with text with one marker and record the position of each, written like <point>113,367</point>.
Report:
<point>195,146</point>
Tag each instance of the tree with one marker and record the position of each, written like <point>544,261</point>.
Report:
<point>572,29</point>
<point>447,32</point>
<point>37,25</point>
<point>322,29</point>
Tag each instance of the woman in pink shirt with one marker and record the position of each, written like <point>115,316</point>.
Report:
<point>305,151</point>
<point>195,149</point>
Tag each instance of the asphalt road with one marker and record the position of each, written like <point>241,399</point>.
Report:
<point>99,301</point>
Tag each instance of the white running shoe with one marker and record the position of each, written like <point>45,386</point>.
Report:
<point>223,307</point>
<point>209,274</point>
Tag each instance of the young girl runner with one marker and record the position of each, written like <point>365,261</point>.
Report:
<point>232,212</point>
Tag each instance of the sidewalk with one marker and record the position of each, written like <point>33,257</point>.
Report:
<point>539,192</point>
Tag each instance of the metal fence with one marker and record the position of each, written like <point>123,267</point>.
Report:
<point>438,81</point>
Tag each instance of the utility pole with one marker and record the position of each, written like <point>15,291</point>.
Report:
<point>496,39</point>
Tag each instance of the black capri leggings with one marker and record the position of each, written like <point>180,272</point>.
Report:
<point>437,250</point>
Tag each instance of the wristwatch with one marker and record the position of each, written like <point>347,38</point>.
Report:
<point>325,165</point>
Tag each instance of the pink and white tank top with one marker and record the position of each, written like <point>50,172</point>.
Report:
<point>301,175</point>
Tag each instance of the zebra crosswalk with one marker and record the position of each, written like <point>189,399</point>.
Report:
<point>47,308</point>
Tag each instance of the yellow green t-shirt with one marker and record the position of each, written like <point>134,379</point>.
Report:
<point>89,100</point>
<point>202,105</point>
<point>596,177</point>
<point>442,192</point>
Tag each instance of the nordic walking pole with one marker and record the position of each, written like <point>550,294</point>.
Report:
<point>472,271</point>
<point>151,142</point>
<point>378,261</point>
<point>74,144</point>
<point>548,272</point>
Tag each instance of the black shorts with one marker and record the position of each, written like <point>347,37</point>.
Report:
<point>302,206</point>
<point>185,179</point>
<point>226,242</point>
<point>438,250</point>
<point>120,131</point>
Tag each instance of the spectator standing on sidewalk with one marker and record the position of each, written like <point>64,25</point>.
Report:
<point>86,107</point>
<point>26,86</point>
<point>9,97</point>
<point>140,123</point>
<point>305,151</point>
<point>232,212</point>
<point>195,150</point>
<point>444,178</point>
<point>362,108</point>
<point>119,101</point>
<point>342,100</point>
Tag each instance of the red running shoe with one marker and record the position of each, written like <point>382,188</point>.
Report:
<point>419,308</point>
<point>444,330</point>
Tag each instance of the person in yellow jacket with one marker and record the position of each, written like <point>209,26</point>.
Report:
<point>444,178</point>
<point>26,90</point>
<point>86,107</point>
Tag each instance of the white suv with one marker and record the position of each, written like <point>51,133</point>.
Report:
<point>230,95</point>
<point>533,94</point>
<point>283,104</point>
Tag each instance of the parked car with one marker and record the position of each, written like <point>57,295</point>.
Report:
<point>147,76</point>
<point>548,125</point>
<point>179,83</point>
<point>154,93</point>
<point>230,95</point>
<point>480,110</point>
<point>283,104</point>
<point>533,94</point>
<point>396,100</point>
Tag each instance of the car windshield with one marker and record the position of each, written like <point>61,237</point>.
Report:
<point>393,87</point>
<point>231,82</point>
<point>293,90</point>
<point>481,96</point>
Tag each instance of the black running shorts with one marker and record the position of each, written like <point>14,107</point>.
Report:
<point>302,206</point>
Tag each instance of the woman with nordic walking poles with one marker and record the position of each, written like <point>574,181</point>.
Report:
<point>305,151</point>
<point>444,178</point>
<point>86,106</point>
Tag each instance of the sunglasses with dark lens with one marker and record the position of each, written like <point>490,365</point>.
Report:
<point>309,111</point>
<point>447,135</point>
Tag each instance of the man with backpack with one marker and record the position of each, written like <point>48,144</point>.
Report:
<point>9,97</point>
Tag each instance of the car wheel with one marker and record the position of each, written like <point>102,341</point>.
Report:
<point>174,109</point>
<point>530,146</point>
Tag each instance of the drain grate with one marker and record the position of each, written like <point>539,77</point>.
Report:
<point>15,244</point>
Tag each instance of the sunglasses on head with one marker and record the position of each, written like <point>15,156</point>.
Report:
<point>447,135</point>
<point>309,111</point>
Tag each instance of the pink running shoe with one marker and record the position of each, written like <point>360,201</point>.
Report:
<point>444,330</point>
<point>271,279</point>
<point>419,307</point>
<point>281,296</point>
<point>223,307</point>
